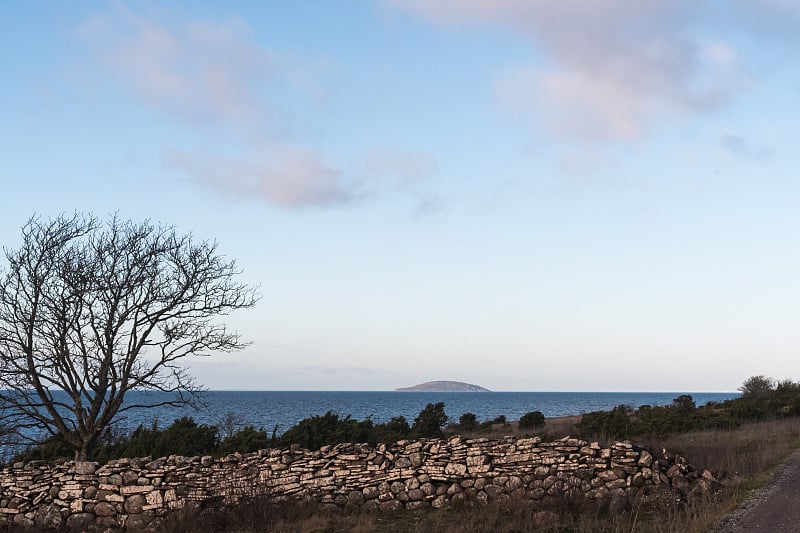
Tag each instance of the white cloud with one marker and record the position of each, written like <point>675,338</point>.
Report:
<point>197,71</point>
<point>294,178</point>
<point>614,65</point>
<point>215,77</point>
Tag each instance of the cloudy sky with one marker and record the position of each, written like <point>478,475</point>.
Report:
<point>523,194</point>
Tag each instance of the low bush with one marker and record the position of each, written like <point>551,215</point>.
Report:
<point>49,450</point>
<point>614,424</point>
<point>430,421</point>
<point>468,422</point>
<point>762,400</point>
<point>532,420</point>
<point>183,437</point>
<point>392,431</point>
<point>247,440</point>
<point>317,431</point>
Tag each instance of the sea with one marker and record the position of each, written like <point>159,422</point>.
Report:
<point>280,410</point>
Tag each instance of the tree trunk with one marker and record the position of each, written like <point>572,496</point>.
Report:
<point>82,453</point>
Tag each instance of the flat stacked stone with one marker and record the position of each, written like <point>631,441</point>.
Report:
<point>408,474</point>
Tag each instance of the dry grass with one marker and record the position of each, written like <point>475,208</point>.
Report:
<point>562,426</point>
<point>554,427</point>
<point>739,453</point>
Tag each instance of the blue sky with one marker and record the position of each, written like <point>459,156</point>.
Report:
<point>522,194</point>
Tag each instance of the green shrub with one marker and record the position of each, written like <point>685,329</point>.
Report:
<point>684,403</point>
<point>392,431</point>
<point>468,422</point>
<point>614,424</point>
<point>183,437</point>
<point>532,420</point>
<point>50,450</point>
<point>757,386</point>
<point>245,441</point>
<point>317,431</point>
<point>430,421</point>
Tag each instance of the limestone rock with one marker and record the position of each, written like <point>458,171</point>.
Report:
<point>135,503</point>
<point>48,517</point>
<point>410,474</point>
<point>85,468</point>
<point>105,509</point>
<point>80,521</point>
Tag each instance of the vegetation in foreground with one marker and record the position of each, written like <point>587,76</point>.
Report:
<point>758,431</point>
<point>188,438</point>
<point>743,456</point>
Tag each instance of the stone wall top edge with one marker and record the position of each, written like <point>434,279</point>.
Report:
<point>328,450</point>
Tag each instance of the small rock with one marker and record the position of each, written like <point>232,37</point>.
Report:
<point>415,495</point>
<point>129,478</point>
<point>412,483</point>
<point>80,521</point>
<point>391,505</point>
<point>85,468</point>
<point>48,517</point>
<point>21,520</point>
<point>355,497</point>
<point>138,522</point>
<point>105,509</point>
<point>134,504</point>
<point>370,493</point>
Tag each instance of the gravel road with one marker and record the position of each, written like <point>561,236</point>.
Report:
<point>773,509</point>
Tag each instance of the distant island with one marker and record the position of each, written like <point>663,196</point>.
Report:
<point>443,386</point>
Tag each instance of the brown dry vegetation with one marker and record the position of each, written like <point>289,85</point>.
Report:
<point>743,459</point>
<point>554,427</point>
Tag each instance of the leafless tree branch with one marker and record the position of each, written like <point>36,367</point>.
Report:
<point>99,310</point>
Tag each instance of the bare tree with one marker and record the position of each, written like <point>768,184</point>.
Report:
<point>90,311</point>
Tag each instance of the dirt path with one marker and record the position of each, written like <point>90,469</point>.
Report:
<point>774,509</point>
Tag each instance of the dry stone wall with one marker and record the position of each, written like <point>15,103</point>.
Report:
<point>134,493</point>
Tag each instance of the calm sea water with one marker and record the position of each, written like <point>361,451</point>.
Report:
<point>285,408</point>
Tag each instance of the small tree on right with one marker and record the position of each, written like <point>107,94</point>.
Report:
<point>756,386</point>
<point>430,421</point>
<point>532,420</point>
<point>468,422</point>
<point>684,403</point>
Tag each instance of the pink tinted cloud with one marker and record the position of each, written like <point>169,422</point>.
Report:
<point>614,66</point>
<point>198,71</point>
<point>294,177</point>
<point>214,76</point>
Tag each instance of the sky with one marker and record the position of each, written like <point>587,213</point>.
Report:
<point>522,194</point>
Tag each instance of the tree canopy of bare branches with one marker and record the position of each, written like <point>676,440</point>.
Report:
<point>99,309</point>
